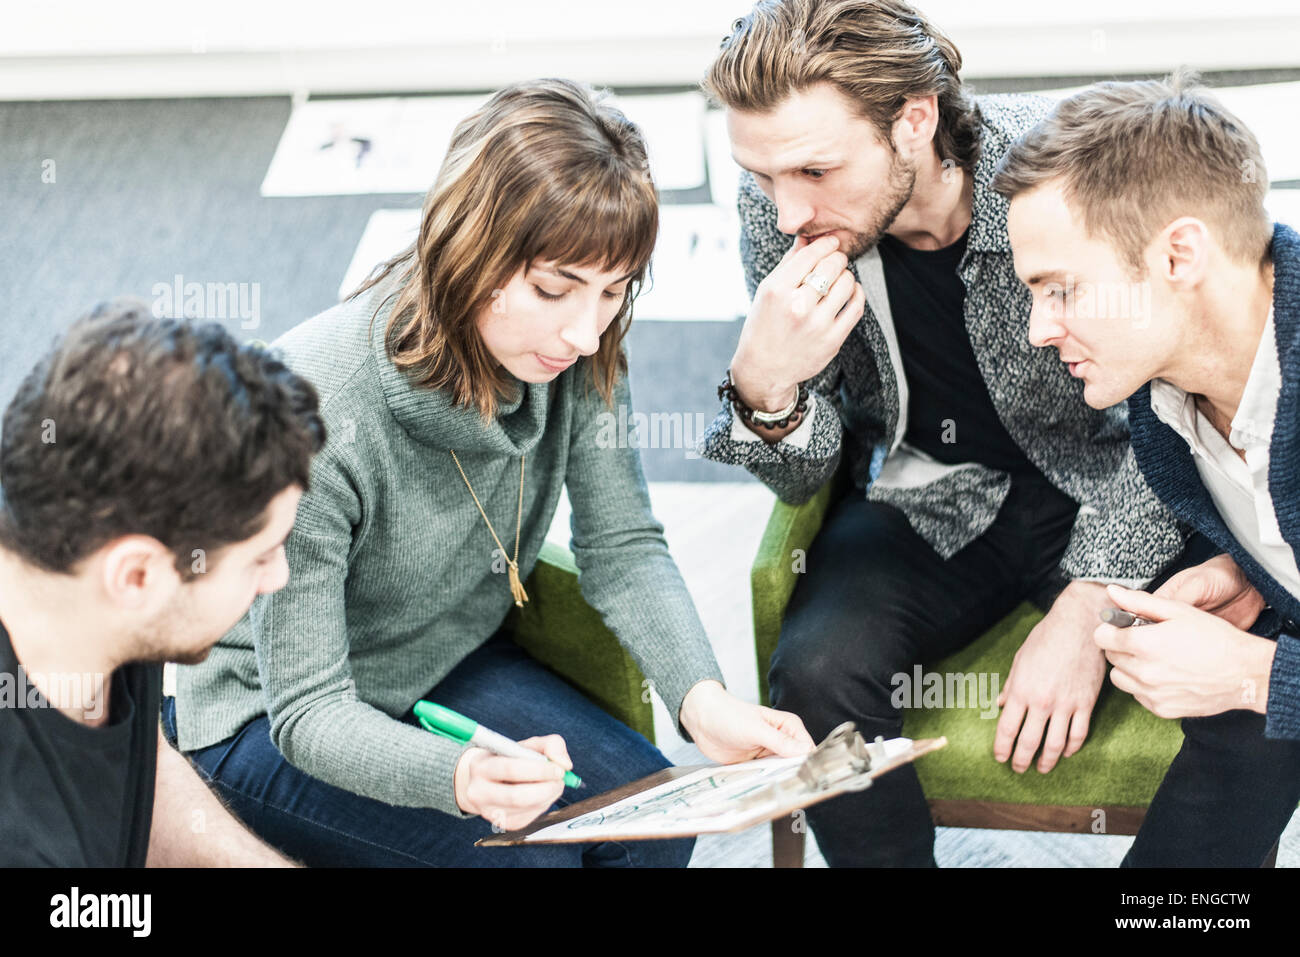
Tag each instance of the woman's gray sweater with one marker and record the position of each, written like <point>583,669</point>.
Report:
<point>392,576</point>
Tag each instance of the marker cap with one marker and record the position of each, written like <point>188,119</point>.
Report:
<point>444,721</point>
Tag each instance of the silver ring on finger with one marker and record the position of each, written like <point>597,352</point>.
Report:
<point>820,283</point>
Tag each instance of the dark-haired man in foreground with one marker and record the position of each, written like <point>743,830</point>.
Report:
<point>1137,220</point>
<point>151,470</point>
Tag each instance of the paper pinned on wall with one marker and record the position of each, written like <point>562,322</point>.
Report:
<point>369,145</point>
<point>696,270</point>
<point>397,144</point>
<point>724,174</point>
<point>673,127</point>
<point>387,232</point>
<point>1269,109</point>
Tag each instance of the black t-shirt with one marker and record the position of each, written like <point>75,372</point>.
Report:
<point>72,795</point>
<point>949,413</point>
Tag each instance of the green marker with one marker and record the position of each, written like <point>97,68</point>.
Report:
<point>450,724</point>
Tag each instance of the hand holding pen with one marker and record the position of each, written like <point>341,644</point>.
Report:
<point>1123,619</point>
<point>1183,661</point>
<point>506,782</point>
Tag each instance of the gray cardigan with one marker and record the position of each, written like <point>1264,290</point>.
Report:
<point>1122,532</point>
<point>391,567</point>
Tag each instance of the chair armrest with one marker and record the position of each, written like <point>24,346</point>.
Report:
<point>558,628</point>
<point>790,531</point>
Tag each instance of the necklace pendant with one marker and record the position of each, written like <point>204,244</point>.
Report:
<point>516,586</point>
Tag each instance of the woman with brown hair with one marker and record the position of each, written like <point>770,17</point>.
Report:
<point>463,387</point>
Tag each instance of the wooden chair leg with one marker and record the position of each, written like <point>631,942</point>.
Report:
<point>788,840</point>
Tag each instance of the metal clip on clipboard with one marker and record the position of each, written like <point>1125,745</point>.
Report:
<point>843,757</point>
<point>842,762</point>
<point>718,798</point>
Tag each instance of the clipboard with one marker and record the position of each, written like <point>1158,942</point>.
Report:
<point>722,798</point>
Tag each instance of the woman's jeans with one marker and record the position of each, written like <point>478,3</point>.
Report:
<point>501,687</point>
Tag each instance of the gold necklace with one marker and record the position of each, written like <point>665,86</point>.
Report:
<point>516,586</point>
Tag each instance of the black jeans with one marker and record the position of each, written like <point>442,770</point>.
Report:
<point>1229,792</point>
<point>1225,799</point>
<point>877,599</point>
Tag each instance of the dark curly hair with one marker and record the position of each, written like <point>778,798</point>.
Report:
<point>160,427</point>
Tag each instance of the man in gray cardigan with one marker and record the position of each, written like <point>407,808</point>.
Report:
<point>888,335</point>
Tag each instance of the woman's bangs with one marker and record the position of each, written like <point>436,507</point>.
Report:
<point>609,229</point>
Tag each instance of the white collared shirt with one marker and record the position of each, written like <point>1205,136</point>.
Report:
<point>1239,489</point>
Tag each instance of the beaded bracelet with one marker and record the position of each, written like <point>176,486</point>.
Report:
<point>728,391</point>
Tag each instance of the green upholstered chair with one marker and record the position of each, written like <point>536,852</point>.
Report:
<point>1104,788</point>
<point>1117,771</point>
<point>558,628</point>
